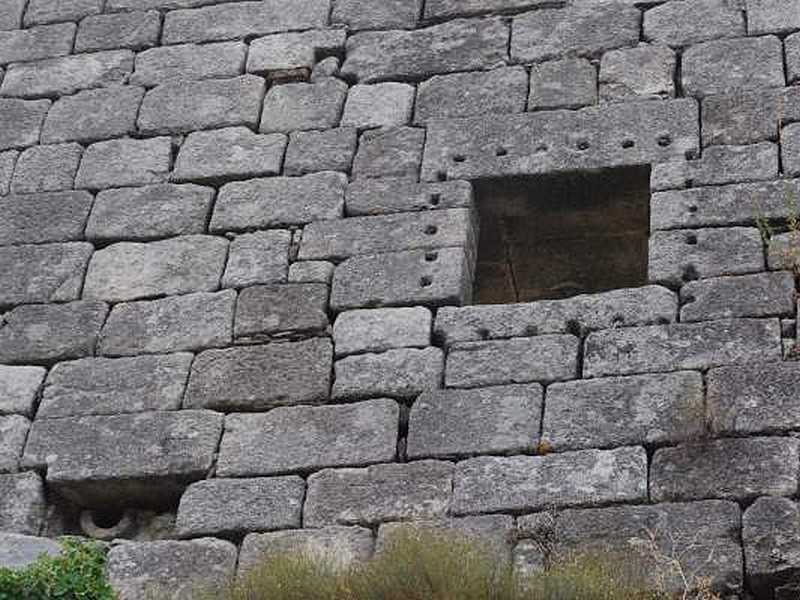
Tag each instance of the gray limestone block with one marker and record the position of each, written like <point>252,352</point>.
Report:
<point>497,420</point>
<point>36,43</point>
<point>22,505</point>
<point>637,73</point>
<point>380,329</point>
<point>391,152</point>
<point>307,438</point>
<point>688,22</point>
<point>748,117</point>
<point>257,258</point>
<point>386,196</point>
<point>573,31</point>
<point>236,506</point>
<point>231,153</point>
<point>731,469</point>
<point>790,149</point>
<point>243,19</point>
<point>792,48</point>
<point>125,162</point>
<point>564,83</point>
<point>68,74</point>
<point>277,201</point>
<point>44,217</point>
<point>281,310</point>
<point>340,239</point>
<point>659,348</point>
<point>301,106</point>
<point>413,277</point>
<point>379,105</point>
<point>130,270</point>
<point>43,334</point>
<point>724,66</point>
<point>13,432</point>
<point>380,493</point>
<point>461,45</point>
<point>187,322</point>
<point>47,168</point>
<point>11,12</point>
<point>21,122</point>
<point>683,255</point>
<point>621,411</point>
<point>104,386</point>
<point>184,106</point>
<point>292,56</point>
<point>339,547</point>
<point>19,389</point>
<point>311,271</point>
<point>145,458</point>
<point>377,14</point>
<point>189,62</point>
<point>494,532</point>
<point>758,295</point>
<point>397,373</point>
<point>136,30</point>
<point>501,90</point>
<point>528,483</point>
<point>8,161</point>
<point>313,151</point>
<point>149,212</point>
<point>754,398</point>
<point>597,137</point>
<point>261,377</point>
<point>18,551</point>
<point>544,359</point>
<point>93,115</point>
<point>43,273</point>
<point>45,11</point>
<point>580,314</point>
<point>772,16</point>
<point>437,9</point>
<point>179,570</point>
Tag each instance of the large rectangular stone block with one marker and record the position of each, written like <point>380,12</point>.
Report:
<point>125,162</point>
<point>43,217</point>
<point>772,16</point>
<point>189,62</point>
<point>36,43</point>
<point>399,373</point>
<point>267,311</point>
<point>685,23</point>
<point>44,11</point>
<point>380,329</point>
<point>136,30</point>
<point>13,431</point>
<point>748,116</point>
<point>437,9</point>
<point>21,122</point>
<point>22,506</point>
<point>758,295</point>
<point>397,195</point>
<point>496,532</point>
<point>292,56</point>
<point>19,389</point>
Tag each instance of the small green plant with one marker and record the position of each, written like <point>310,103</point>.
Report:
<point>78,573</point>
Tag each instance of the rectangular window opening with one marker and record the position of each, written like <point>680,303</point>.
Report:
<point>559,235</point>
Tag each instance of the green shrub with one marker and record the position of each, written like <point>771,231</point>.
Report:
<point>78,573</point>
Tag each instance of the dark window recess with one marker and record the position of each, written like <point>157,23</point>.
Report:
<point>561,235</point>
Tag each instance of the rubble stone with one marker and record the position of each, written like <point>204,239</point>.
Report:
<point>381,329</point>
<point>23,503</point>
<point>398,373</point>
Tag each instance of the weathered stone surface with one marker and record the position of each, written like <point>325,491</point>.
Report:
<point>127,270</point>
<point>782,251</point>
<point>11,15</point>
<point>771,543</point>
<point>392,152</point>
<point>136,30</point>
<point>637,73</point>
<point>311,271</point>
<point>327,67</point>
<point>125,162</point>
<point>377,14</point>
<point>379,105</point>
<point>21,122</point>
<point>68,74</point>
<point>13,431</point>
<point>732,469</point>
<point>565,83</point>
<point>759,295</point>
<point>44,217</point>
<point>307,438</point>
<point>526,144</point>
<point>281,310</point>
<point>454,46</point>
<point>279,201</point>
<point>313,151</point>
<point>380,329</point>
<point>46,168</point>
<point>525,483</point>
<point>183,106</point>
<point>399,373</point>
<point>660,348</point>
<point>7,162</point>
<point>494,531</point>
<point>36,43</point>
<point>149,213</point>
<point>392,492</point>
<point>103,386</point>
<point>790,149</point>
<point>749,116</point>
<point>260,377</point>
<point>235,506</point>
<point>260,257</point>
<point>188,62</point>
<point>640,306</point>
<point>574,31</point>
<point>19,389</point>
<point>49,333</point>
<point>93,115</point>
<point>772,16</point>
<point>385,196</point>
<point>230,153</point>
<point>144,458</point>
<point>243,19</point>
<point>683,23</point>
<point>436,9</point>
<point>17,551</point>
<point>178,570</point>
<point>543,359</point>
<point>43,11</point>
<point>291,56</point>
<point>501,90</point>
<point>43,273</point>
<point>401,278</point>
<point>300,106</point>
<point>188,322</point>
<point>792,48</point>
<point>499,420</point>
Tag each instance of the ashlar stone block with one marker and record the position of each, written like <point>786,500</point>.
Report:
<point>389,152</point>
<point>398,373</point>
<point>125,162</point>
<point>19,389</point>
<point>8,161</point>
<point>21,122</point>
<point>790,149</point>
<point>380,329</point>
<point>13,432</point>
<point>189,62</point>
<point>495,531</point>
<point>393,195</point>
<point>22,508</point>
<point>281,310</point>
<point>42,11</point>
<point>36,43</point>
<point>758,295</point>
<point>11,13</point>
<point>379,105</point>
<point>18,551</point>
<point>792,48</point>
<point>749,116</point>
<point>44,217</point>
<point>683,23</point>
<point>772,16</point>
<point>137,30</point>
<point>46,168</point>
<point>288,56</point>
<point>302,106</point>
<point>564,83</point>
<point>43,273</point>
<point>453,8</point>
<point>314,151</point>
<point>643,72</point>
<point>377,14</point>
<point>257,258</point>
<point>311,271</point>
